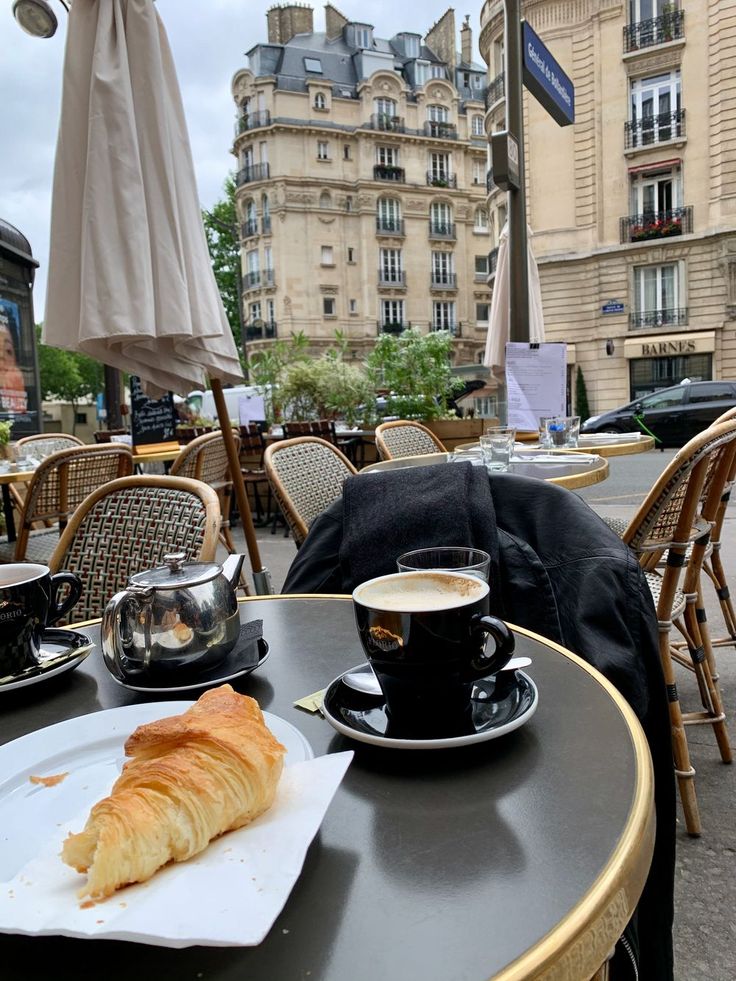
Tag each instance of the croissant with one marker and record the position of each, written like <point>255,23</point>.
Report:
<point>191,778</point>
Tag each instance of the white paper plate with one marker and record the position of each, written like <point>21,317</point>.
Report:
<point>229,895</point>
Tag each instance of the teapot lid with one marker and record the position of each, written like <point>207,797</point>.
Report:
<point>177,572</point>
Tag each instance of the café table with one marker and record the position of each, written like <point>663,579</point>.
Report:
<point>6,479</point>
<point>601,447</point>
<point>516,858</point>
<point>567,473</point>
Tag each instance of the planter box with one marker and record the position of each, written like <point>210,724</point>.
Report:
<point>454,431</point>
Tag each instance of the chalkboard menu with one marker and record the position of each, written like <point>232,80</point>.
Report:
<point>153,420</point>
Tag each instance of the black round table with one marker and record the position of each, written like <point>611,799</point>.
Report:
<point>521,857</point>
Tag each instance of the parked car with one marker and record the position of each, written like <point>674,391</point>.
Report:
<point>673,414</point>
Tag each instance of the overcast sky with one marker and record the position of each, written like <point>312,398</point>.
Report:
<point>209,39</point>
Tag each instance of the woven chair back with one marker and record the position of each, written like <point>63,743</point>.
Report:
<point>668,515</point>
<point>44,444</point>
<point>404,438</point>
<point>205,458</point>
<point>306,475</point>
<point>324,429</point>
<point>62,481</point>
<point>251,441</point>
<point>294,430</point>
<point>128,526</point>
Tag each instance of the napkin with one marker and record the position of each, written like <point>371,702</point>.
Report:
<point>311,703</point>
<point>228,896</point>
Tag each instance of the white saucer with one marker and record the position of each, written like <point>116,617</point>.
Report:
<point>363,717</point>
<point>61,650</point>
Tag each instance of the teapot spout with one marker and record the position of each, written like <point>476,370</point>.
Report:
<point>231,569</point>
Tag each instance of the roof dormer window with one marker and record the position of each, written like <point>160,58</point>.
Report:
<point>313,65</point>
<point>361,35</point>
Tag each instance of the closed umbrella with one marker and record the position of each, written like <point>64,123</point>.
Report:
<point>130,281</point>
<point>498,327</point>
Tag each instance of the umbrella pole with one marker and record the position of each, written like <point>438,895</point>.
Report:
<point>261,575</point>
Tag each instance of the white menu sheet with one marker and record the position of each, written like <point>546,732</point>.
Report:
<point>535,382</point>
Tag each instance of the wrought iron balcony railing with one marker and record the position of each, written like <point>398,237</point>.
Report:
<point>441,179</point>
<point>668,26</point>
<point>656,224</point>
<point>441,229</point>
<point>249,227</point>
<point>251,279</point>
<point>654,129</point>
<point>255,172</point>
<point>454,328</point>
<point>386,123</point>
<point>440,130</point>
<point>384,172</point>
<point>490,183</point>
<point>266,330</point>
<point>389,226</point>
<point>496,90</point>
<point>254,120</point>
<point>443,281</point>
<point>395,278</point>
<point>392,326</point>
<point>492,262</point>
<point>670,317</point>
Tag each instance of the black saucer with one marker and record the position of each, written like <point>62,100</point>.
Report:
<point>240,661</point>
<point>61,650</point>
<point>501,703</point>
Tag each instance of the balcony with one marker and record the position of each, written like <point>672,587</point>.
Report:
<point>384,172</point>
<point>249,228</point>
<point>443,281</point>
<point>671,317</point>
<point>392,278</point>
<point>496,90</point>
<point>490,183</point>
<point>387,124</point>
<point>442,230</point>
<point>251,280</point>
<point>656,224</point>
<point>268,279</point>
<point>669,26</point>
<point>441,179</point>
<point>266,224</point>
<point>454,328</point>
<point>261,330</point>
<point>255,172</point>
<point>389,226</point>
<point>391,327</point>
<point>492,263</point>
<point>440,130</point>
<point>254,120</point>
<point>654,129</point>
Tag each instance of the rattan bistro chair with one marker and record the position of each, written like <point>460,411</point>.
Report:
<point>669,534</point>
<point>129,525</point>
<point>404,438</point>
<point>44,444</point>
<point>306,476</point>
<point>205,459</point>
<point>59,485</point>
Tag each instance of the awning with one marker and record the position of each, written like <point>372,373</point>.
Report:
<point>657,165</point>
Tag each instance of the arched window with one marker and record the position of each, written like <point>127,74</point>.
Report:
<point>477,126</point>
<point>325,200</point>
<point>265,213</point>
<point>480,221</point>
<point>319,101</point>
<point>251,223</point>
<point>440,218</point>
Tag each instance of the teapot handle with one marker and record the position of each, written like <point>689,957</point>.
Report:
<point>113,649</point>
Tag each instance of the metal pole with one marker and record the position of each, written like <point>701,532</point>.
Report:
<point>518,258</point>
<point>113,398</point>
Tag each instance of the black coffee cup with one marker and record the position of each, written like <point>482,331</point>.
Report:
<point>426,636</point>
<point>29,604</point>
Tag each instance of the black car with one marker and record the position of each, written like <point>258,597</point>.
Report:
<point>674,414</point>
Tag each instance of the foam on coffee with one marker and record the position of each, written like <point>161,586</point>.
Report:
<point>18,573</point>
<point>413,592</point>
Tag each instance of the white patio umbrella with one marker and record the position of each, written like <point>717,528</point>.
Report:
<point>499,326</point>
<point>130,281</point>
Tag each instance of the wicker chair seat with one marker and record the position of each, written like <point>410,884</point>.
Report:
<point>654,581</point>
<point>403,438</point>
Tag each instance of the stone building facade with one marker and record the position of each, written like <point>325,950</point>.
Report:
<point>633,207</point>
<point>361,183</point>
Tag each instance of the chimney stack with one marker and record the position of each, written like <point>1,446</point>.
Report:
<point>466,41</point>
<point>286,21</point>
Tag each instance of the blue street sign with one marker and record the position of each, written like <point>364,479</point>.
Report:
<point>544,78</point>
<point>613,306</point>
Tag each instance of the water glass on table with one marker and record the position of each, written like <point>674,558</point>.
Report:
<point>497,445</point>
<point>561,431</point>
<point>447,558</point>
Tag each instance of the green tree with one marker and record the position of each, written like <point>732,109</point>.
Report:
<point>581,397</point>
<point>221,229</point>
<point>67,376</point>
<point>417,371</point>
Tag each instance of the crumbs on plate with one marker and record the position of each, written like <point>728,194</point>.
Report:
<point>50,781</point>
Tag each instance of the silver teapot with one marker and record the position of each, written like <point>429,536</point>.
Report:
<point>178,619</point>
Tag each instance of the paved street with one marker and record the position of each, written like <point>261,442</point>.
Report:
<point>705,932</point>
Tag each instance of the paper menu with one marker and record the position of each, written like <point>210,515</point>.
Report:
<point>535,382</point>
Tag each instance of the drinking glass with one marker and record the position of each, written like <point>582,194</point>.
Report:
<point>562,430</point>
<point>544,439</point>
<point>448,558</point>
<point>497,445</point>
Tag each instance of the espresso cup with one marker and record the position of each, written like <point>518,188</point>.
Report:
<point>428,636</point>
<point>29,604</point>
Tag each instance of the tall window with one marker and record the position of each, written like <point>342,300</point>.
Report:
<point>655,108</point>
<point>437,114</point>
<point>319,101</point>
<point>647,9</point>
<point>326,256</point>
<point>439,166</point>
<point>270,311</point>
<point>387,156</point>
<point>255,311</point>
<point>266,213</point>
<point>247,157</point>
<point>385,107</point>
<point>328,306</point>
<point>392,312</point>
<point>390,270</point>
<point>252,265</point>
<point>656,294</point>
<point>389,214</point>
<point>440,218</point>
<point>251,223</point>
<point>480,221</point>
<point>325,200</point>
<point>476,126</point>
<point>442,268</point>
<point>437,71</point>
<point>481,268</point>
<point>322,150</point>
<point>479,168</point>
<point>268,259</point>
<point>443,315</point>
<point>656,191</point>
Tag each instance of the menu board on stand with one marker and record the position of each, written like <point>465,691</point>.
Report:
<point>153,423</point>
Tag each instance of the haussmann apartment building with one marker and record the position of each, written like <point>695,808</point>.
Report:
<point>361,183</point>
<point>633,208</point>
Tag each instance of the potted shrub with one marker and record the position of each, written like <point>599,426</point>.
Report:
<point>6,427</point>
